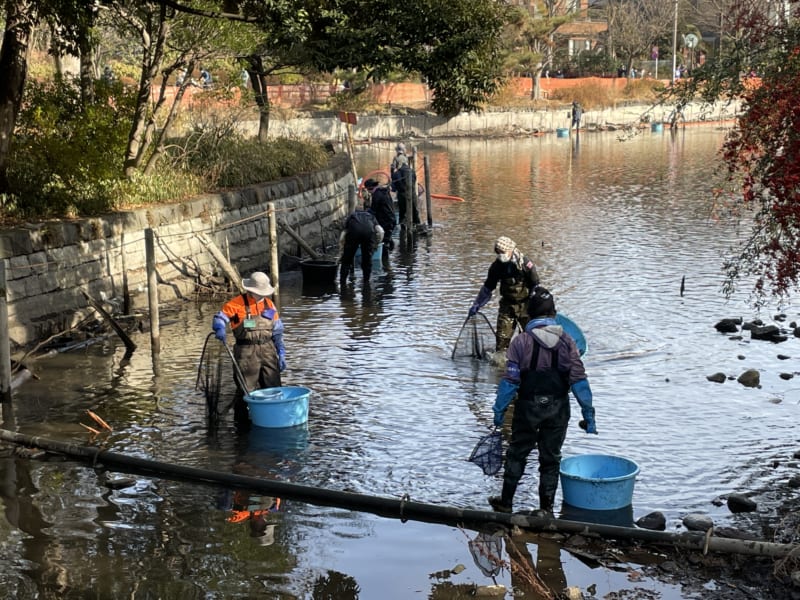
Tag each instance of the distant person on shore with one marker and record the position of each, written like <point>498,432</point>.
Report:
<point>205,79</point>
<point>577,113</point>
<point>245,78</point>
<point>517,277</point>
<point>382,206</point>
<point>180,78</point>
<point>258,333</point>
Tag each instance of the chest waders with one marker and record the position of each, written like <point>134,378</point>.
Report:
<point>256,354</point>
<point>512,309</point>
<point>541,416</point>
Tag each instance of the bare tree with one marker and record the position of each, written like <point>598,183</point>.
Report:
<point>635,26</point>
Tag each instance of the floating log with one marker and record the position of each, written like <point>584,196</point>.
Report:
<point>403,508</point>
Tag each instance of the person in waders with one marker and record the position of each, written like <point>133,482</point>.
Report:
<point>258,331</point>
<point>382,206</point>
<point>361,230</point>
<point>543,366</point>
<point>517,277</point>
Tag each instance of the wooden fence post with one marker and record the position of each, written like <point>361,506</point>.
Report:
<point>152,290</point>
<point>274,265</point>
<point>5,344</point>
<point>426,161</point>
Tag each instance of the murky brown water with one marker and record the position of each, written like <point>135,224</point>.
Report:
<point>614,226</point>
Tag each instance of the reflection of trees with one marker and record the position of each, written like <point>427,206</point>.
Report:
<point>335,586</point>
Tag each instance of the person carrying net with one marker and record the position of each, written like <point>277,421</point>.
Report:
<point>517,277</point>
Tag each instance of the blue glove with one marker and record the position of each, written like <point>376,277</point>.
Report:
<point>499,415</point>
<point>583,394</point>
<point>484,295</point>
<point>218,325</point>
<point>268,313</point>
<point>277,339</point>
<point>506,391</point>
<point>588,423</point>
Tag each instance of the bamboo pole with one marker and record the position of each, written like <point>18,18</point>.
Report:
<point>227,267</point>
<point>426,162</point>
<point>5,342</point>
<point>403,508</point>
<point>352,199</point>
<point>152,291</point>
<point>303,244</point>
<point>406,228</point>
<point>274,266</point>
<point>129,344</point>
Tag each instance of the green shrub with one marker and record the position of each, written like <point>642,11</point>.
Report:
<point>66,154</point>
<point>233,161</point>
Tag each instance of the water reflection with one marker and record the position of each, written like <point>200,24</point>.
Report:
<point>614,228</point>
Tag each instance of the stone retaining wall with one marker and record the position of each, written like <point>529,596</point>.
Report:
<point>496,122</point>
<point>48,264</point>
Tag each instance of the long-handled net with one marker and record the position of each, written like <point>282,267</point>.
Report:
<point>476,339</point>
<point>488,453</point>
<point>210,375</point>
<point>213,373</point>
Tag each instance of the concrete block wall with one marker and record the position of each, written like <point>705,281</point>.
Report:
<point>48,264</point>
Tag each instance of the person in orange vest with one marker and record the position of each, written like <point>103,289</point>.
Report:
<point>258,332</point>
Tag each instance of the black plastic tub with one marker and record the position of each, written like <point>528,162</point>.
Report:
<point>319,272</point>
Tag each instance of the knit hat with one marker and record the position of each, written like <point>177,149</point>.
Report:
<point>370,184</point>
<point>504,245</point>
<point>400,148</point>
<point>541,303</point>
<point>258,284</point>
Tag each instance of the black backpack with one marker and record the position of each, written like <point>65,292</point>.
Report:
<point>360,223</point>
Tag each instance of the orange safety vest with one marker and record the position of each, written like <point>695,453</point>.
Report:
<point>245,306</point>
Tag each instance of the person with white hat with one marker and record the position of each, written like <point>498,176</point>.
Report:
<point>517,277</point>
<point>258,333</point>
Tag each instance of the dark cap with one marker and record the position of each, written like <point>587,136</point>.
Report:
<point>541,303</point>
<point>370,183</point>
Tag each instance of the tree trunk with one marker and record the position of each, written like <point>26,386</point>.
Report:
<point>258,80</point>
<point>87,69</point>
<point>152,58</point>
<point>21,17</point>
<point>165,131</point>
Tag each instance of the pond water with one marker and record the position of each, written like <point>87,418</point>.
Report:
<point>614,226</point>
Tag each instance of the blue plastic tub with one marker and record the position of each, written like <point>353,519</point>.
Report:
<point>598,481</point>
<point>656,127</point>
<point>279,406</point>
<point>562,132</point>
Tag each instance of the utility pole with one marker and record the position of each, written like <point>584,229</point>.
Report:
<point>675,42</point>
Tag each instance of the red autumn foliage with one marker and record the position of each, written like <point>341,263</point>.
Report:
<point>762,68</point>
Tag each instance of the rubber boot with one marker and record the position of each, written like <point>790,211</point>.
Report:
<point>546,502</point>
<point>503,503</point>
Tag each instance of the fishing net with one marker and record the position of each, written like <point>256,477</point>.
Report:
<point>210,374</point>
<point>486,550</point>
<point>476,338</point>
<point>488,453</point>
